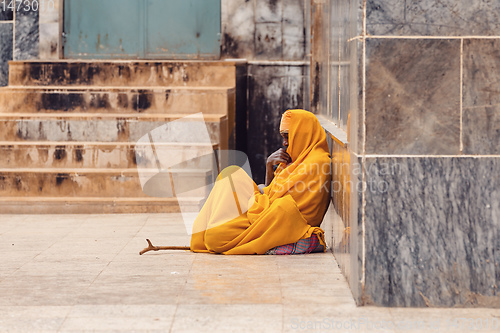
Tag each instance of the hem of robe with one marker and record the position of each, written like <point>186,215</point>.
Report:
<point>312,230</point>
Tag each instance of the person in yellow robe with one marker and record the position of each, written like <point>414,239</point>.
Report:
<point>240,217</point>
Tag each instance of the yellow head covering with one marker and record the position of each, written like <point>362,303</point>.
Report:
<point>285,122</point>
<point>307,178</point>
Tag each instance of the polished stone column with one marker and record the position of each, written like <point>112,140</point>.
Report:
<point>431,137</point>
<point>424,132</point>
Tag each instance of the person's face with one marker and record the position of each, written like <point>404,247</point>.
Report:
<point>285,139</point>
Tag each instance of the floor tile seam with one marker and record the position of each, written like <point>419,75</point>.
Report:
<point>60,238</point>
<point>129,241</point>
<point>7,231</point>
<point>173,317</point>
<point>183,284</point>
<point>34,257</point>
<point>277,265</point>
<point>84,290</point>
<point>181,295</point>
<point>24,264</point>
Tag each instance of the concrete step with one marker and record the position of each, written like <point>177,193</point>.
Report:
<point>15,154</point>
<point>85,127</point>
<point>91,99</point>
<point>122,73</point>
<point>97,205</point>
<point>51,182</point>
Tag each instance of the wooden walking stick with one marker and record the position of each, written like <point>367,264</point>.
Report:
<point>151,247</point>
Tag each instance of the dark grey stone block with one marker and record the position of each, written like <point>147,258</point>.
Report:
<point>412,96</point>
<point>6,36</point>
<point>7,14</point>
<point>432,231</point>
<point>481,100</point>
<point>385,17</point>
<point>433,18</point>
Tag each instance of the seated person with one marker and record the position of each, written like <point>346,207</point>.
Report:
<point>241,218</point>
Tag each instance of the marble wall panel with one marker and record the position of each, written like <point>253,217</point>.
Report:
<point>294,30</point>
<point>49,41</point>
<point>432,231</point>
<point>355,18</point>
<point>49,11</point>
<point>27,34</point>
<point>344,218</point>
<point>385,17</point>
<point>356,216</point>
<point>271,91</point>
<point>329,221</point>
<point>412,96</point>
<point>334,84</point>
<point>320,37</point>
<point>481,99</point>
<point>268,41</point>
<point>355,133</point>
<point>334,23</point>
<point>331,60</point>
<point>268,11</point>
<point>343,221</point>
<point>49,30</point>
<point>6,36</point>
<point>426,234</point>
<point>344,95</point>
<point>265,29</point>
<point>241,107</point>
<point>433,18</point>
<point>333,112</point>
<point>340,192</point>
<point>7,14</point>
<point>238,28</point>
<point>344,29</point>
<point>339,101</point>
<point>294,43</point>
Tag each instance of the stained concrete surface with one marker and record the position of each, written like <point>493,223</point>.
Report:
<point>75,273</point>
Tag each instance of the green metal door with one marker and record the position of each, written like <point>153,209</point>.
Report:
<point>141,29</point>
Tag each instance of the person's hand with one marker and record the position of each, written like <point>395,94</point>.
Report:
<point>279,156</point>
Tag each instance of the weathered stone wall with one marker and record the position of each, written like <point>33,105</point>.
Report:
<point>49,29</point>
<point>271,89</point>
<point>264,29</point>
<point>273,37</point>
<point>423,132</point>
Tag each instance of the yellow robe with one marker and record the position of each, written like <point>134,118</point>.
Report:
<point>291,207</point>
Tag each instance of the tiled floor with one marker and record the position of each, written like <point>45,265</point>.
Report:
<point>72,273</point>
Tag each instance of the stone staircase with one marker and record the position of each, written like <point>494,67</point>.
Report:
<point>70,131</point>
